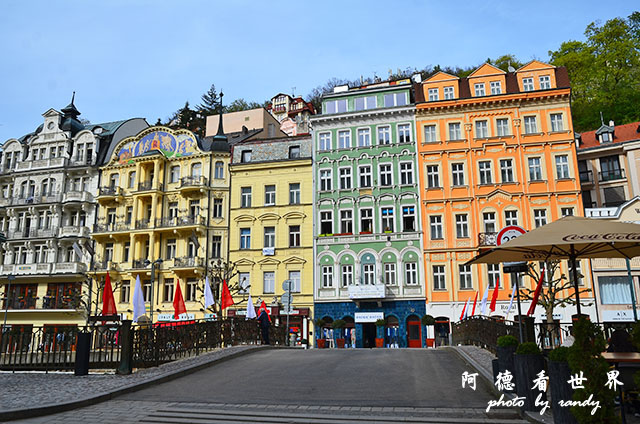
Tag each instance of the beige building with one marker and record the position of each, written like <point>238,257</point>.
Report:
<point>255,124</point>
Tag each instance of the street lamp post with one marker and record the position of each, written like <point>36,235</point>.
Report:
<point>10,278</point>
<point>153,272</point>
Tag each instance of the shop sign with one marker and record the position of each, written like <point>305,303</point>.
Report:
<point>290,312</point>
<point>268,251</point>
<point>182,317</point>
<point>376,291</point>
<point>617,315</point>
<point>361,317</point>
<point>543,317</point>
<point>210,317</point>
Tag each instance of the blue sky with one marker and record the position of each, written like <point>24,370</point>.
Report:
<point>128,58</point>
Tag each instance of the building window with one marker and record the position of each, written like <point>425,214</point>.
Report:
<point>368,274</point>
<point>270,237</point>
<point>269,282</point>
<point>462,226</point>
<point>539,217</point>
<point>325,180</point>
<point>435,224</point>
<point>125,291</point>
<point>192,290</point>
<point>610,168</point>
<point>347,275</point>
<point>326,222</point>
<point>294,194</point>
<point>125,251</point>
<point>325,141</point>
<point>294,152</point>
<point>448,93</point>
<point>384,135</point>
<point>363,103</point>
<point>578,273</point>
<point>566,212</point>
<point>385,174</point>
<point>244,282</point>
<point>489,220</point>
<point>108,252</point>
<point>406,173</point>
<point>366,220</point>
<point>404,133</point>
<point>217,208</point>
<point>344,139</point>
<point>411,273</point>
<point>454,131</point>
<point>364,137</point>
<point>171,248</point>
<point>535,169</point>
<point>345,178</point>
<point>269,195</point>
<point>245,156</point>
<point>395,99</point>
<point>168,290</point>
<point>545,82</point>
<point>479,89</point>
<point>336,106</point>
<point>387,220</point>
<point>496,87</point>
<point>219,171</point>
<point>146,290</point>
<point>506,170</point>
<point>493,272</point>
<point>245,197</point>
<point>464,272</point>
<point>294,236</point>
<point>438,277</point>
<point>614,290</point>
<point>346,222</point>
<point>365,176</point>
<point>562,167</point>
<point>113,181</point>
<point>482,129</point>
<point>433,95</point>
<point>556,122</point>
<point>502,126</point>
<point>485,172</point>
<point>390,274</point>
<point>174,174</point>
<point>196,171</point>
<point>527,84</point>
<point>216,246</point>
<point>530,125</point>
<point>245,238</point>
<point>132,179</point>
<point>457,174</point>
<point>408,218</point>
<point>433,176</point>
<point>327,277</point>
<point>430,134</point>
<point>511,217</point>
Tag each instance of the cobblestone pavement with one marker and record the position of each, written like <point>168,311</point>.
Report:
<point>24,390</point>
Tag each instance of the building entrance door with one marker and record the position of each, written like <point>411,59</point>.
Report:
<point>369,335</point>
<point>414,333</point>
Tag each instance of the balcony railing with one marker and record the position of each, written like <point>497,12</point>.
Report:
<point>192,181</point>
<point>107,227</point>
<point>487,239</point>
<point>51,197</point>
<point>109,191</point>
<point>148,185</point>
<point>20,303</point>
<point>586,176</point>
<point>43,232</point>
<point>614,174</point>
<point>179,221</point>
<point>77,196</point>
<point>143,224</point>
<point>57,303</point>
<point>139,264</point>
<point>188,262</point>
<point>74,230</point>
<point>41,163</point>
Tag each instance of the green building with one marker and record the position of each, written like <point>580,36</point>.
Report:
<point>368,242</point>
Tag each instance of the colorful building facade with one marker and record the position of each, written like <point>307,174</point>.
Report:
<point>271,227</point>
<point>163,205</point>
<point>368,251</point>
<point>495,149</point>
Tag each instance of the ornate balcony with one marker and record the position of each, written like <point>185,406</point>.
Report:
<point>73,231</point>
<point>143,224</point>
<point>179,221</point>
<point>77,196</point>
<point>148,185</point>
<point>188,262</point>
<point>41,164</point>
<point>192,184</point>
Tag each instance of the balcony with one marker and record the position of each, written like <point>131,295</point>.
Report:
<point>586,177</point>
<point>139,264</point>
<point>366,237</point>
<point>148,185</point>
<point>143,224</point>
<point>108,193</point>
<point>5,201</point>
<point>41,164</point>
<point>69,268</point>
<point>192,183</point>
<point>487,239</point>
<point>25,269</point>
<point>179,221</point>
<point>611,175</point>
<point>188,262</point>
<point>111,227</point>
<point>50,302</point>
<point>20,303</point>
<point>73,231</point>
<point>43,232</point>
<point>77,196</point>
<point>37,198</point>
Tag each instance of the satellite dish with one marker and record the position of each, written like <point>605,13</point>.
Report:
<point>511,69</point>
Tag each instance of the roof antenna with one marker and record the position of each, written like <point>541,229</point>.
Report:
<point>293,92</point>
<point>601,118</point>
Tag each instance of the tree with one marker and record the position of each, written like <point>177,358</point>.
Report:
<point>503,62</point>
<point>315,96</point>
<point>210,102</point>
<point>190,119</point>
<point>604,71</point>
<point>552,293</point>
<point>218,273</point>
<point>241,104</point>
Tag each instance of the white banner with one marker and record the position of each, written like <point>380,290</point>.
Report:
<point>361,317</point>
<point>182,317</point>
<point>620,315</point>
<point>367,291</point>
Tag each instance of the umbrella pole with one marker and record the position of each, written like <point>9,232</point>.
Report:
<point>574,271</point>
<point>633,291</point>
<point>515,280</point>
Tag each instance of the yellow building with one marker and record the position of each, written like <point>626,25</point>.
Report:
<point>271,226</point>
<point>163,200</point>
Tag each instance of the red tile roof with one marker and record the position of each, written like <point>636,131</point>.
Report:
<point>622,133</point>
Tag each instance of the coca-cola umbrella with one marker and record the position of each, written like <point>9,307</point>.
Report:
<point>571,238</point>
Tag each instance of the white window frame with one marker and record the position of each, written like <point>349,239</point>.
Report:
<point>490,222</point>
<point>389,269</point>
<point>439,276</point>
<point>384,135</point>
<point>502,127</point>
<point>436,230</point>
<point>245,197</point>
<point>404,133</point>
<point>449,92</point>
<point>434,94</point>
<point>465,277</point>
<point>364,137</point>
<point>368,176</point>
<point>485,172</point>
<point>478,89</point>
<point>527,84</point>
<point>387,174</point>
<point>545,82</point>
<point>411,273</point>
<point>462,225</point>
<point>269,237</point>
<point>511,217</point>
<point>430,133</point>
<point>539,217</point>
<point>493,275</point>
<point>326,216</point>
<point>369,216</point>
<point>455,131</point>
<point>268,282</point>
<point>327,276</point>
<point>389,219</point>
<point>530,124</point>
<point>433,176</point>
<point>535,168</point>
<point>562,167</point>
<point>496,87</point>
<point>345,178</point>
<point>482,128</point>
<point>346,221</point>
<point>457,174</point>
<point>406,173</point>
<point>557,122</point>
<point>326,179</point>
<point>368,274</point>
<point>506,170</point>
<point>346,275</point>
<point>344,139</point>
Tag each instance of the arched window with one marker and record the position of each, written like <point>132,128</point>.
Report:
<point>114,180</point>
<point>45,187</point>
<point>196,170</point>
<point>23,189</point>
<point>219,174</point>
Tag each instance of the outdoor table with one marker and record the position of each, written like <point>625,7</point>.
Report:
<point>617,358</point>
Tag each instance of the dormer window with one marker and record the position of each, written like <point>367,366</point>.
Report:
<point>246,156</point>
<point>479,89</point>
<point>448,93</point>
<point>496,87</point>
<point>545,82</point>
<point>527,84</point>
<point>433,94</point>
<point>606,138</point>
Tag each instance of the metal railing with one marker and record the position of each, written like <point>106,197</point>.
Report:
<point>482,331</point>
<point>611,175</point>
<point>109,191</point>
<point>20,303</point>
<point>192,181</point>
<point>586,176</point>
<point>148,185</point>
<point>187,262</point>
<point>138,264</point>
<point>142,224</point>
<point>179,221</point>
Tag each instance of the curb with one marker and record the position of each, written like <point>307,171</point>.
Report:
<point>18,414</point>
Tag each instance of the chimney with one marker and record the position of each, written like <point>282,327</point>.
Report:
<point>417,78</point>
<point>611,124</point>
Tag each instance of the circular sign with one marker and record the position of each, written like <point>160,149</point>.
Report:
<point>508,233</point>
<point>287,285</point>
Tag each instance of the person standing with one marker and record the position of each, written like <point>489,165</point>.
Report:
<point>265,323</point>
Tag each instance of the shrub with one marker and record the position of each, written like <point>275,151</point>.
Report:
<point>528,348</point>
<point>507,341</point>
<point>339,323</point>
<point>428,320</point>
<point>320,323</point>
<point>559,354</point>
<point>381,323</point>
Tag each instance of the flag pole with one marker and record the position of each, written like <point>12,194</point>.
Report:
<point>514,280</point>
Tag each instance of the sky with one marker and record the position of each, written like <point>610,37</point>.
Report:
<point>145,58</point>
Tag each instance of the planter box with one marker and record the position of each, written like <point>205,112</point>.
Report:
<point>321,343</point>
<point>505,359</point>
<point>340,343</point>
<point>527,368</point>
<point>559,374</point>
<point>430,342</point>
<point>379,342</point>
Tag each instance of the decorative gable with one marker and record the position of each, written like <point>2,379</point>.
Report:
<point>486,70</point>
<point>534,65</point>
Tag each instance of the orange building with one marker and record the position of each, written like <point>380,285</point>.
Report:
<point>495,149</point>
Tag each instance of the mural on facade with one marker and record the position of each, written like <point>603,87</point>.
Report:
<point>168,144</point>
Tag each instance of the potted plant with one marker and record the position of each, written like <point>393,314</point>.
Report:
<point>559,374</point>
<point>380,333</point>
<point>338,325</point>
<point>507,345</point>
<point>528,363</point>
<point>428,321</point>
<point>319,339</point>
